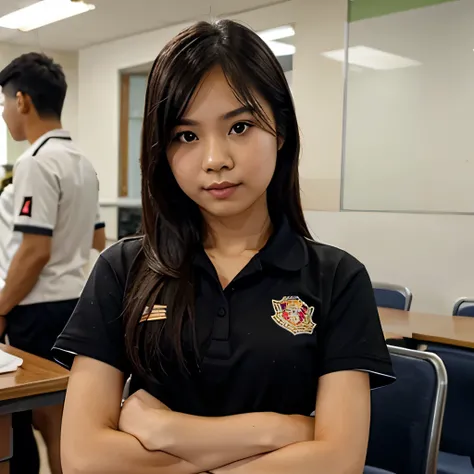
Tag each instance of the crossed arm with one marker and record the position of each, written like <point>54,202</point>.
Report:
<point>145,437</point>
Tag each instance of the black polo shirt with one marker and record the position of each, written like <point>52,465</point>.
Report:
<point>297,311</point>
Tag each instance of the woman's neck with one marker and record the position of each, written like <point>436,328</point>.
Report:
<point>232,236</point>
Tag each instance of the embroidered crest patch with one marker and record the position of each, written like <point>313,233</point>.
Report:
<point>294,315</point>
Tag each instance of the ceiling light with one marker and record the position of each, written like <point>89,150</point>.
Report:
<point>43,13</point>
<point>371,58</point>
<point>277,33</point>
<point>281,49</point>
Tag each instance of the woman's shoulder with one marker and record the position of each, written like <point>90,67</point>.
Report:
<point>335,268</point>
<point>95,329</point>
<point>121,255</point>
<point>330,257</point>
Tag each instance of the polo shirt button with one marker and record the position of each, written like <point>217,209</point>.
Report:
<point>221,313</point>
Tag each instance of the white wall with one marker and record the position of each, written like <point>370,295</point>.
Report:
<point>69,61</point>
<point>432,254</point>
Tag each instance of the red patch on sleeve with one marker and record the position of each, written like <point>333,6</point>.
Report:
<point>27,207</point>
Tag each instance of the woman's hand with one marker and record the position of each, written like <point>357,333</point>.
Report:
<point>144,417</point>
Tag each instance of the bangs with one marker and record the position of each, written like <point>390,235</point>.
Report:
<point>245,91</point>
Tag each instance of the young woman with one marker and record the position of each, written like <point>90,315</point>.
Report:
<point>234,324</point>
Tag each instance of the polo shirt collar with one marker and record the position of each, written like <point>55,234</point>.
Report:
<point>58,133</point>
<point>285,249</point>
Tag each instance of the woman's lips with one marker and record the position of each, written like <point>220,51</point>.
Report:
<point>222,190</point>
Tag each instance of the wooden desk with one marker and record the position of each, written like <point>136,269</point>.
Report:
<point>35,384</point>
<point>453,330</point>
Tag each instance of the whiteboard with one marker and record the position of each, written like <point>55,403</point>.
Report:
<point>408,144</point>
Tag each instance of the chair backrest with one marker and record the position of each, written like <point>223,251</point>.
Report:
<point>392,296</point>
<point>407,415</point>
<point>457,436</point>
<point>464,307</point>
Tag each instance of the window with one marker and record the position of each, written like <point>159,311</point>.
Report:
<point>133,87</point>
<point>3,140</point>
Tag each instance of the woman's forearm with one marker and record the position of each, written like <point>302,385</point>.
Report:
<point>314,457</point>
<point>112,452</point>
<point>214,442</point>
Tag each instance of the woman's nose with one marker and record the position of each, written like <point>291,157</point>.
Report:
<point>217,155</point>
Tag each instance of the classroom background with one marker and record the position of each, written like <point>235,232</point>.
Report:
<point>384,97</point>
<point>387,161</point>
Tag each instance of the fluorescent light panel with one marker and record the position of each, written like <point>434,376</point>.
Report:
<point>43,13</point>
<point>372,58</point>
<point>277,33</point>
<point>279,48</point>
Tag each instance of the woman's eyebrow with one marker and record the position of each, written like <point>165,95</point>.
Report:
<point>236,112</point>
<point>226,116</point>
<point>186,121</point>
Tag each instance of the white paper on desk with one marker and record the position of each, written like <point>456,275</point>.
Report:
<point>8,362</point>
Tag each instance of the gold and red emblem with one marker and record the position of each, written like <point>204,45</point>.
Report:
<point>294,315</point>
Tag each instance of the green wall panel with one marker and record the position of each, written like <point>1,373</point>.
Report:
<point>363,9</point>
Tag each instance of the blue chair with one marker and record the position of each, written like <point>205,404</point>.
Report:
<point>464,307</point>
<point>407,415</point>
<point>392,296</point>
<point>457,436</point>
<point>453,464</point>
<point>375,470</point>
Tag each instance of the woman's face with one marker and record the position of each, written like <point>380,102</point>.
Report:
<point>221,157</point>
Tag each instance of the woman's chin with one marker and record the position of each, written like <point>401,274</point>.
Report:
<point>224,209</point>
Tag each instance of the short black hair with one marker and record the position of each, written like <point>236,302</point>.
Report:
<point>38,76</point>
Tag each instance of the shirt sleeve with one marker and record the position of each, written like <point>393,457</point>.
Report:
<point>352,336</point>
<point>95,328</point>
<point>37,192</point>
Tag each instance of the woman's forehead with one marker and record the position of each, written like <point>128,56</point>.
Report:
<point>213,97</point>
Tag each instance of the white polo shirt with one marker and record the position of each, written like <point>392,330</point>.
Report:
<point>55,192</point>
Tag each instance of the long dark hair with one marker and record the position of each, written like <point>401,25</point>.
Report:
<point>172,223</point>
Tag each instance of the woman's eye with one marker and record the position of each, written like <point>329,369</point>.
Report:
<point>186,137</point>
<point>240,128</point>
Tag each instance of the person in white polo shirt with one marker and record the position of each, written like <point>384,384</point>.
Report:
<point>48,221</point>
